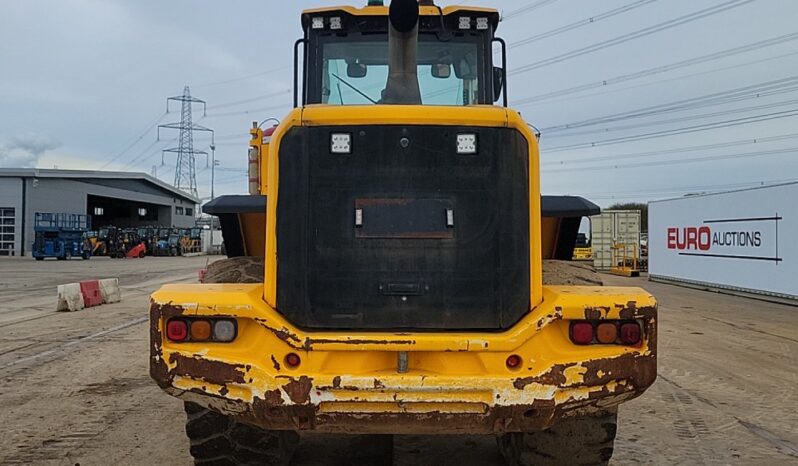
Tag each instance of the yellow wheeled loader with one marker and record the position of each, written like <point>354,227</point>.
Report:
<point>386,272</point>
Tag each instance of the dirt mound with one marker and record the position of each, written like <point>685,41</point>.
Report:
<point>250,270</point>
<point>236,270</point>
<point>570,273</point>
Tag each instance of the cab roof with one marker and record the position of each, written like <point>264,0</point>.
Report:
<point>491,13</point>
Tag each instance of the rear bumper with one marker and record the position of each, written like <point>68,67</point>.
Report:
<point>455,382</point>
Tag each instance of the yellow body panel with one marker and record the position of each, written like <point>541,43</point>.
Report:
<point>355,373</point>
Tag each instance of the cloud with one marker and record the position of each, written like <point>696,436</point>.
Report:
<point>25,151</point>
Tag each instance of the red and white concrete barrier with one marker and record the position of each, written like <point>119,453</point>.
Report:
<point>90,293</point>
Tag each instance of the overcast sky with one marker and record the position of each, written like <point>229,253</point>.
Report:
<point>81,81</point>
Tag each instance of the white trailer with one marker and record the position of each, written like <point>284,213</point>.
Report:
<point>742,241</point>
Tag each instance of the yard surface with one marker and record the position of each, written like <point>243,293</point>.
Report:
<point>74,387</point>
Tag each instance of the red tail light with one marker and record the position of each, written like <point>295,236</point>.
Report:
<point>177,330</point>
<point>201,330</point>
<point>514,361</point>
<point>630,333</point>
<point>582,333</point>
<point>292,360</point>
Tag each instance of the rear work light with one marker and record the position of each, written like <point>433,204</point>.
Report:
<point>606,332</point>
<point>187,330</point>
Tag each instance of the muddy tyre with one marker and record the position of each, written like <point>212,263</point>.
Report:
<point>217,439</point>
<point>236,270</point>
<point>577,441</point>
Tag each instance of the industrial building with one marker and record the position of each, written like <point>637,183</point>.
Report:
<point>111,198</point>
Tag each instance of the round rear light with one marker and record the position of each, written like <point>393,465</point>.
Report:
<point>582,333</point>
<point>607,333</point>
<point>292,360</point>
<point>514,361</point>
<point>630,333</point>
<point>200,330</point>
<point>177,330</point>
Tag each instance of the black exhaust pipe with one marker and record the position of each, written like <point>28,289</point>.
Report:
<point>402,86</point>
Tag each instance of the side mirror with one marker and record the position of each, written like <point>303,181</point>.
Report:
<point>356,70</point>
<point>498,83</point>
<point>442,71</point>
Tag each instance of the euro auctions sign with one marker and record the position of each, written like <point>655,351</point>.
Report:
<point>743,240</point>
<point>734,238</point>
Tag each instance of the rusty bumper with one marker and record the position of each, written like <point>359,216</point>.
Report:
<point>454,382</point>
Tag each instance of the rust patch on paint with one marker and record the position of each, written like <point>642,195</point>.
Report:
<point>215,372</point>
<point>337,382</point>
<point>299,389</point>
<point>639,369</point>
<point>597,313</point>
<point>294,341</point>
<point>309,342</point>
<point>159,371</point>
<point>633,312</point>
<point>275,363</point>
<point>548,319</point>
<point>378,385</point>
<point>554,376</point>
<point>282,333</point>
<point>273,397</point>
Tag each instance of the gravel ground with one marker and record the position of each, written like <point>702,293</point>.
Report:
<point>74,388</point>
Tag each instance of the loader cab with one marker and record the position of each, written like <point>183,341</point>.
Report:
<point>345,60</point>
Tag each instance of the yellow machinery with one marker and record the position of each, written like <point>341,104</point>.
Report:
<point>583,254</point>
<point>388,265</point>
<point>625,260</point>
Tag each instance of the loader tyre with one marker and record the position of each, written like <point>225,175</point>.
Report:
<point>217,439</point>
<point>578,441</point>
<point>245,269</point>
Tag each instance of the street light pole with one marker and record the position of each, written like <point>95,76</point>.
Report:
<point>214,164</point>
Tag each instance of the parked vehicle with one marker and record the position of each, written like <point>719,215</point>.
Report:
<point>61,236</point>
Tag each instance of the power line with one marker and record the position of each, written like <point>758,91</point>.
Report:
<point>244,78</point>
<point>578,24</point>
<point>660,163</point>
<point>248,112</point>
<point>661,81</point>
<point>633,35</point>
<point>700,116</point>
<point>141,157</point>
<point>526,9</point>
<point>134,142</point>
<point>252,99</point>
<point>769,88</point>
<point>688,189</point>
<point>703,147</point>
<point>661,69</point>
<point>674,132</point>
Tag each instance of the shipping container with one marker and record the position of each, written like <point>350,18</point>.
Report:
<point>743,241</point>
<point>613,227</point>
